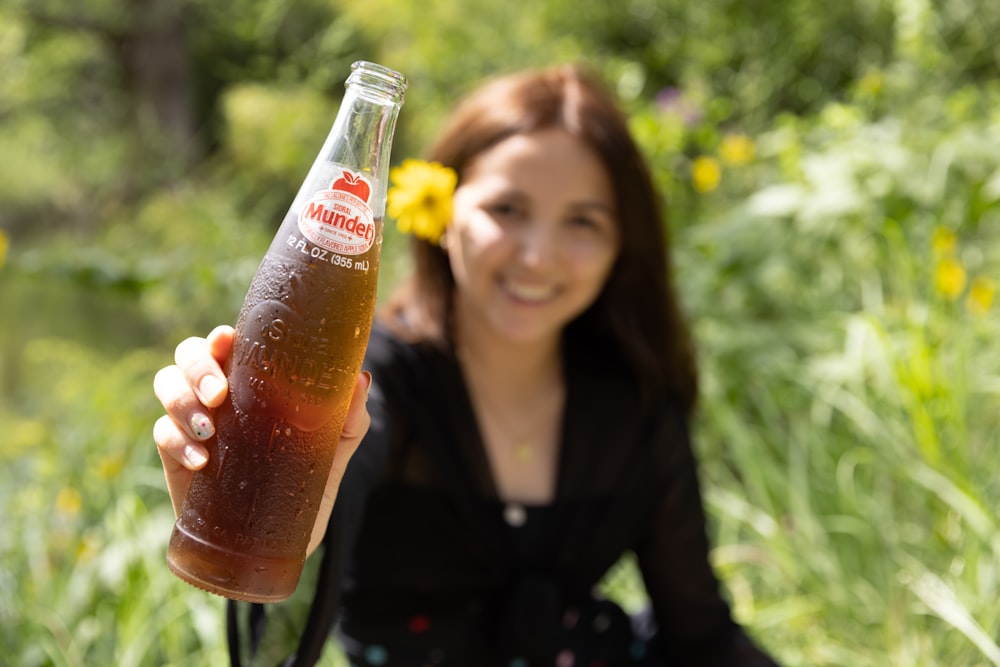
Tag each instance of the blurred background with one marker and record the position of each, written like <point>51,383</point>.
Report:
<point>833,177</point>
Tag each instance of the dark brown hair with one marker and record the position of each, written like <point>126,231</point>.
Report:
<point>637,313</point>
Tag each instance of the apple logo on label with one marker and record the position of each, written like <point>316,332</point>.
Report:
<point>353,183</point>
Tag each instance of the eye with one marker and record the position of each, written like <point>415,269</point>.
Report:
<point>584,222</point>
<point>590,222</point>
<point>505,210</point>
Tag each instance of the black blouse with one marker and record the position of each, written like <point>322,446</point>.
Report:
<point>427,565</point>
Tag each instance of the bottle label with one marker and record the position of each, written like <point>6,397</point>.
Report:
<point>340,218</point>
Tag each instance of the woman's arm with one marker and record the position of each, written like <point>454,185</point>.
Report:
<point>694,620</point>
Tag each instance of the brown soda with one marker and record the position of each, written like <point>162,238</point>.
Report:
<point>300,339</point>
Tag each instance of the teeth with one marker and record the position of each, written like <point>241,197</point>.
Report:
<point>527,292</point>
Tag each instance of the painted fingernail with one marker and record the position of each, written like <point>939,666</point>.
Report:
<point>202,426</point>
<point>195,456</point>
<point>211,387</point>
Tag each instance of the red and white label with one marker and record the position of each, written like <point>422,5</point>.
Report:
<point>340,219</point>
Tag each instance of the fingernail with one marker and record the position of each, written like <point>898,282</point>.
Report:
<point>211,387</point>
<point>368,383</point>
<point>195,456</point>
<point>202,426</point>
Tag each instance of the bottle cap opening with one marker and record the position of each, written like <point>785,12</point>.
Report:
<point>378,78</point>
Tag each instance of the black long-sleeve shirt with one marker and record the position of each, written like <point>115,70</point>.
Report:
<point>429,566</point>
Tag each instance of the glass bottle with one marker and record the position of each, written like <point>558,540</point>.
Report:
<point>300,339</point>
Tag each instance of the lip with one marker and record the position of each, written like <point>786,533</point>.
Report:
<point>528,292</point>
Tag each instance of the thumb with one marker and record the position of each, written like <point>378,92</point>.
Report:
<point>355,427</point>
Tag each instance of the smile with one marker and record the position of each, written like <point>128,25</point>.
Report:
<point>529,292</point>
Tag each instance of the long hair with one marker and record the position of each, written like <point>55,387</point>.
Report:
<point>637,313</point>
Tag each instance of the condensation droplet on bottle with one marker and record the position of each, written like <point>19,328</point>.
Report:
<point>357,332</point>
<point>260,568</point>
<point>242,485</point>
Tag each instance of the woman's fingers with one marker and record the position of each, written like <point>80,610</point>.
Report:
<point>355,427</point>
<point>196,382</point>
<point>176,447</point>
<point>182,404</point>
<point>187,391</point>
<point>180,458</point>
<point>220,342</point>
<point>201,361</point>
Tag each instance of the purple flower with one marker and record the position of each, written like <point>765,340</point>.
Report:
<point>672,101</point>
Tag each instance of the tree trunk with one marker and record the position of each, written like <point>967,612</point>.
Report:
<point>153,52</point>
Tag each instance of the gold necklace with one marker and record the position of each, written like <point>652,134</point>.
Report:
<point>523,452</point>
<point>521,443</point>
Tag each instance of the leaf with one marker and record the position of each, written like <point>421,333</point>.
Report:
<point>778,201</point>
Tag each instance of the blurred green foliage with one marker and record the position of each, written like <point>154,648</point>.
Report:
<point>833,180</point>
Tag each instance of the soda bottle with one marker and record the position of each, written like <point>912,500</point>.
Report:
<point>300,338</point>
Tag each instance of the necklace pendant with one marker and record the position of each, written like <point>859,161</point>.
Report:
<point>523,452</point>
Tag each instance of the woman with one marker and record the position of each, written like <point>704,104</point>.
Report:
<point>529,414</point>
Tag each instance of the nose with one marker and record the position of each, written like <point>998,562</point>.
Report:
<point>537,243</point>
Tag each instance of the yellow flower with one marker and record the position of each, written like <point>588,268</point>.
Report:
<point>88,547</point>
<point>4,244</point>
<point>943,241</point>
<point>706,174</point>
<point>981,295</point>
<point>871,83</point>
<point>950,278</point>
<point>736,149</point>
<point>68,502</point>
<point>110,466</point>
<point>420,198</point>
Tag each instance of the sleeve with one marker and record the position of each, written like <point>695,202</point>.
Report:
<point>694,620</point>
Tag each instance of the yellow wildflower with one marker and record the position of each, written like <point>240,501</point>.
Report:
<point>110,466</point>
<point>950,277</point>
<point>871,83</point>
<point>88,547</point>
<point>68,502</point>
<point>4,244</point>
<point>705,174</point>
<point>981,295</point>
<point>943,242</point>
<point>420,198</point>
<point>736,149</point>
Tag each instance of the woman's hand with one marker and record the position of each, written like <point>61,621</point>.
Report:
<point>195,384</point>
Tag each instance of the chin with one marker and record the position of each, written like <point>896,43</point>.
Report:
<point>527,332</point>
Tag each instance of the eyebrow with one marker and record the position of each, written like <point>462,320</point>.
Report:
<point>597,205</point>
<point>585,204</point>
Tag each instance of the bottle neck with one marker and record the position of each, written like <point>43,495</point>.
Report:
<point>377,83</point>
<point>361,136</point>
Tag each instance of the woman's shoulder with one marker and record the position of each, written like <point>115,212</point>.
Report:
<point>607,384</point>
<point>396,357</point>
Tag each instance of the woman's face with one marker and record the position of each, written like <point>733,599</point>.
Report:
<point>534,236</point>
